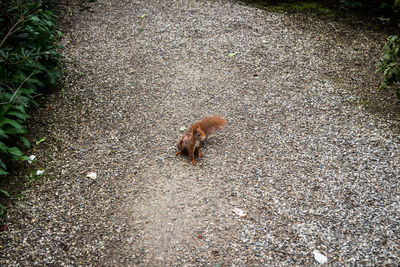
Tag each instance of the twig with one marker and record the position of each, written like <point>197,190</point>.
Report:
<point>12,89</point>
<point>15,93</point>
<point>16,97</point>
<point>11,30</point>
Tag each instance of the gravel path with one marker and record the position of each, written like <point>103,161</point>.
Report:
<point>312,167</point>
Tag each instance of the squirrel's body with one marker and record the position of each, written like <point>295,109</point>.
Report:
<point>193,137</point>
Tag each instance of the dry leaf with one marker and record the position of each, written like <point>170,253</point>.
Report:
<point>239,212</point>
<point>319,257</point>
<point>91,175</point>
<point>31,158</point>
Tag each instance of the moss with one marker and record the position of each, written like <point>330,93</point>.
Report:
<point>292,6</point>
<point>312,6</point>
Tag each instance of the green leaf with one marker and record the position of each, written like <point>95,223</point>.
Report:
<point>3,148</point>
<point>143,16</point>
<point>15,151</point>
<point>25,141</point>
<point>17,114</point>
<point>3,172</point>
<point>36,81</point>
<point>34,103</point>
<point>20,108</point>
<point>3,135</point>
<point>383,19</point>
<point>24,158</point>
<point>4,108</point>
<point>53,75</point>
<point>27,92</point>
<point>2,54</point>
<point>42,38</point>
<point>2,165</point>
<point>18,77</point>
<point>232,54</point>
<point>2,210</point>
<point>23,51</point>
<point>3,72</point>
<point>16,127</point>
<point>34,18</point>
<point>5,192</point>
<point>386,71</point>
<point>383,85</point>
<point>396,72</point>
<point>41,140</point>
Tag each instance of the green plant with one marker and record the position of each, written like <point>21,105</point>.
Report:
<point>2,208</point>
<point>389,64</point>
<point>29,63</point>
<point>312,6</point>
<point>389,5</point>
<point>351,3</point>
<point>33,176</point>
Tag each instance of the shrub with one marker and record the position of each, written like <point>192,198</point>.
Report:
<point>389,65</point>
<point>29,63</point>
<point>389,5</point>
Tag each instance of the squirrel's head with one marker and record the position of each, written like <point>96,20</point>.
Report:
<point>199,134</point>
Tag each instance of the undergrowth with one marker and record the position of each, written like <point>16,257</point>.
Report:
<point>389,65</point>
<point>30,64</point>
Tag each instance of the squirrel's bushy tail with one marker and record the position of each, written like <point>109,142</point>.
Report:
<point>211,124</point>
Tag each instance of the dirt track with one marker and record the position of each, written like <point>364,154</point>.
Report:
<point>311,167</point>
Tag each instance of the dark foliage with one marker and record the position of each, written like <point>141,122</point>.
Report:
<point>29,63</point>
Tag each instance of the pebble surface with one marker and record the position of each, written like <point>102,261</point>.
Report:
<point>316,173</point>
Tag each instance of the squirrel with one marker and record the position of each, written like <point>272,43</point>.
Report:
<point>196,133</point>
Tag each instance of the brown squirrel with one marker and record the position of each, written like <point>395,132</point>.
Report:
<point>193,137</point>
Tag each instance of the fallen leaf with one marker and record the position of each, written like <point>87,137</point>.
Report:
<point>182,129</point>
<point>92,175</point>
<point>239,212</point>
<point>39,172</point>
<point>143,16</point>
<point>41,140</point>
<point>31,158</point>
<point>215,253</point>
<point>232,54</point>
<point>320,257</point>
